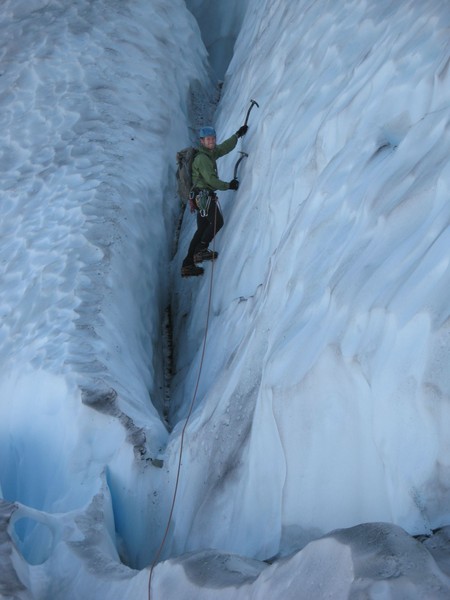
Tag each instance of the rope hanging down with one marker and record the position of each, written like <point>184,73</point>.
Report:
<point>191,407</point>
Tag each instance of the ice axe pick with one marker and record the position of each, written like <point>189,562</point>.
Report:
<point>252,104</point>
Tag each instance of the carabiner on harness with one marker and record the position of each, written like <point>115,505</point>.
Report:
<point>203,200</point>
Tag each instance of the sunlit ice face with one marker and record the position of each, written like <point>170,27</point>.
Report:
<point>209,142</point>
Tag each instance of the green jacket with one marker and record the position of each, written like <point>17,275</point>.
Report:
<point>204,166</point>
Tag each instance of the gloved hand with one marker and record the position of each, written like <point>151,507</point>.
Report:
<point>242,131</point>
<point>234,184</point>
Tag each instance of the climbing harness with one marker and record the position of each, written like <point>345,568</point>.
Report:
<point>191,407</point>
<point>203,200</point>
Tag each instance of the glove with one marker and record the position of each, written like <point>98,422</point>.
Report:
<point>234,184</point>
<point>242,131</point>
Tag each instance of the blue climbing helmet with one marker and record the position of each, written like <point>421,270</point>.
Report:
<point>207,131</point>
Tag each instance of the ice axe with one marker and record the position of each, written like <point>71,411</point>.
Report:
<point>252,104</point>
<point>243,155</point>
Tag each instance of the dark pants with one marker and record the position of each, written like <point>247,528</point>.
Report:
<point>207,227</point>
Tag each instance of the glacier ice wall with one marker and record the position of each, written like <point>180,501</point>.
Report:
<point>324,398</point>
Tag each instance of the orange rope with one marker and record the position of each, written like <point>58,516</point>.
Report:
<point>169,520</point>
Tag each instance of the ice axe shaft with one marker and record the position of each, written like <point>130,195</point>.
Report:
<point>252,104</point>
<point>243,155</point>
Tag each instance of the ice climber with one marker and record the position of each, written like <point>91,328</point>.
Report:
<point>204,199</point>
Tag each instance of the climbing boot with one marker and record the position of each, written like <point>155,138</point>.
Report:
<point>191,271</point>
<point>205,255</point>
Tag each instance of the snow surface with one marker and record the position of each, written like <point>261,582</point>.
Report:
<point>316,461</point>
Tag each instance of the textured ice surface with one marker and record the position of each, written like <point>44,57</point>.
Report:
<point>323,398</point>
